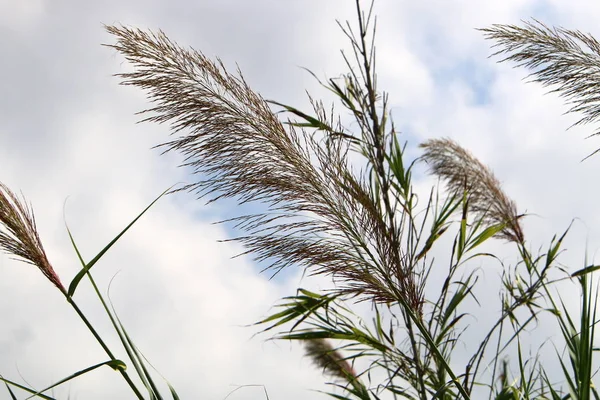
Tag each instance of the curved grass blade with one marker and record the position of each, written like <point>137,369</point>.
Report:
<point>586,270</point>
<point>25,388</point>
<point>89,265</point>
<point>12,395</point>
<point>138,359</point>
<point>489,232</point>
<point>114,364</point>
<point>173,392</point>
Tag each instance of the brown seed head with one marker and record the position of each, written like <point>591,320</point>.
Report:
<point>19,236</point>
<point>331,360</point>
<point>462,171</point>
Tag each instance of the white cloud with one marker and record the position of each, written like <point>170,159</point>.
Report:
<point>21,15</point>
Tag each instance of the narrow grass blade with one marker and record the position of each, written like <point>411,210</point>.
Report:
<point>89,265</point>
<point>311,122</point>
<point>173,392</point>
<point>12,395</point>
<point>75,246</point>
<point>137,359</point>
<point>586,270</point>
<point>25,388</point>
<point>114,364</point>
<point>485,235</point>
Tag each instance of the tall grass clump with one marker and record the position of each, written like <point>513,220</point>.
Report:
<point>363,225</point>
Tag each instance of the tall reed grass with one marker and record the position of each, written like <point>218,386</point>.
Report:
<point>362,225</point>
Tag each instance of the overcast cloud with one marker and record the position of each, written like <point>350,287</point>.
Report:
<point>68,130</point>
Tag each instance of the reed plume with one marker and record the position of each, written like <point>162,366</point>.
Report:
<point>566,59</point>
<point>333,363</point>
<point>19,236</point>
<point>463,172</point>
<point>320,214</point>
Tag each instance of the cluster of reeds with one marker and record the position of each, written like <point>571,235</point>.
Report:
<point>362,226</point>
<point>19,238</point>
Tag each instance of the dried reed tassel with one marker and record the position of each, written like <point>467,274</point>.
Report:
<point>19,236</point>
<point>462,171</point>
<point>331,360</point>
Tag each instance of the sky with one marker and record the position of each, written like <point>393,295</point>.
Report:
<point>70,143</point>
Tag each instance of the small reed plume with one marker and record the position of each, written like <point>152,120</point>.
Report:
<point>331,360</point>
<point>567,60</point>
<point>462,171</point>
<point>19,236</point>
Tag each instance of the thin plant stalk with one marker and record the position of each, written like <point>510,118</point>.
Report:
<point>104,347</point>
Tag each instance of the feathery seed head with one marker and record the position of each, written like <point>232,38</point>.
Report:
<point>331,360</point>
<point>320,214</point>
<point>462,171</point>
<point>19,236</point>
